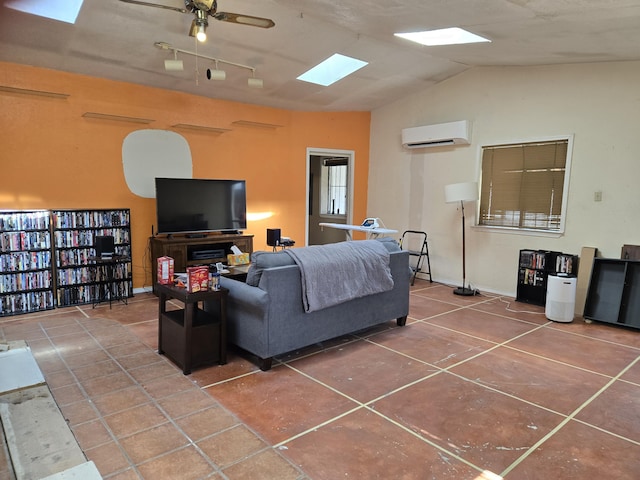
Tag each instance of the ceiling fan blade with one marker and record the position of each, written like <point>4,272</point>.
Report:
<point>244,19</point>
<point>156,5</point>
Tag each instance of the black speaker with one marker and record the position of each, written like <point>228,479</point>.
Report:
<point>104,245</point>
<point>273,237</point>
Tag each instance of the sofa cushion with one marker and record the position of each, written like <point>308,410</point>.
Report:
<point>261,260</point>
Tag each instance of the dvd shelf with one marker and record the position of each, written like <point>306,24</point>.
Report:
<point>25,262</point>
<point>80,278</point>
<point>534,268</point>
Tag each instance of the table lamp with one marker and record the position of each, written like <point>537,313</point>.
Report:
<point>462,192</point>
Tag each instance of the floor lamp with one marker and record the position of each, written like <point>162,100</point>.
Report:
<point>462,192</point>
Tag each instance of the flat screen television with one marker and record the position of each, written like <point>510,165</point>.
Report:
<point>192,206</point>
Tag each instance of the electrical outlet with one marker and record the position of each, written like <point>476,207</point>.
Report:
<point>597,196</point>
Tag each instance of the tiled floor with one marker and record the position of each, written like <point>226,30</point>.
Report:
<point>471,384</point>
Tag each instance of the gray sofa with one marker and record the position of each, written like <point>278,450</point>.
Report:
<point>267,316</point>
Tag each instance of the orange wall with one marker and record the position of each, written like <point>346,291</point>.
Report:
<point>52,157</point>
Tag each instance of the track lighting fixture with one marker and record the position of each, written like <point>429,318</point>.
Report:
<point>216,74</point>
<point>173,65</point>
<point>212,74</point>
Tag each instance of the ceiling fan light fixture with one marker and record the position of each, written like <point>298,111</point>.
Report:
<point>201,32</point>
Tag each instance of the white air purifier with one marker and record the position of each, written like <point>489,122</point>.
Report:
<point>561,298</point>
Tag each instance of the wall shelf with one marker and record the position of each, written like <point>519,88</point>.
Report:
<point>248,123</point>
<point>39,93</point>
<point>117,118</point>
<point>201,128</point>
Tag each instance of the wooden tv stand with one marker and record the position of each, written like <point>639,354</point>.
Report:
<point>188,251</point>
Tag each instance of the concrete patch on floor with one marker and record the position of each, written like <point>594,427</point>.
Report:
<point>40,443</point>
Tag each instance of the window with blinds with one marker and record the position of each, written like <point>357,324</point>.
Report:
<point>523,185</point>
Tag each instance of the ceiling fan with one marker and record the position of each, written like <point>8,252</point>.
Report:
<point>204,8</point>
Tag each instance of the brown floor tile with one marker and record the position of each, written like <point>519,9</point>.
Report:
<point>119,400</point>
<point>602,331</point>
<point>91,434</point>
<point>86,358</point>
<point>508,307</point>
<point>108,458</point>
<point>187,402</point>
<point>101,385</point>
<point>633,374</point>
<point>487,326</point>
<point>79,412</point>
<point>137,359</point>
<point>232,445</point>
<point>533,378</point>
<point>584,352</point>
<point>168,385</point>
<point>429,343</point>
<point>61,378</point>
<point>135,419</point>
<point>422,307</point>
<point>69,394</point>
<point>580,452</point>
<point>161,368</point>
<point>96,370</point>
<point>280,403</point>
<point>206,422</point>
<point>236,365</point>
<point>616,410</point>
<point>486,428</point>
<point>362,446</point>
<point>268,463</point>
<point>185,464</point>
<point>445,294</point>
<point>75,343</point>
<point>154,442</point>
<point>147,332</point>
<point>130,348</point>
<point>129,474</point>
<point>362,370</point>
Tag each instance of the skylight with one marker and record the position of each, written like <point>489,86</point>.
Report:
<point>332,69</point>
<point>443,36</point>
<point>61,10</point>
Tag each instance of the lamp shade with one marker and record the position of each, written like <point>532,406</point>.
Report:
<point>461,192</point>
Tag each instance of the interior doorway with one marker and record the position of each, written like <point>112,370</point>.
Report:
<point>329,193</point>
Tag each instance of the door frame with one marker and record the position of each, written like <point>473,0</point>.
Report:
<point>351,160</point>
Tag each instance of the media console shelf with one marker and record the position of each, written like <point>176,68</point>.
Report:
<point>188,252</point>
<point>614,292</point>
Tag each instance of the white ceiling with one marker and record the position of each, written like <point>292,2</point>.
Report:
<point>115,40</point>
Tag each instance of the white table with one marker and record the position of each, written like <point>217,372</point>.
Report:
<point>371,232</point>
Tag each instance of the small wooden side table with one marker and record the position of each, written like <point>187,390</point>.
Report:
<point>191,337</point>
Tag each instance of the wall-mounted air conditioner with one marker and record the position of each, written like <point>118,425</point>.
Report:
<point>441,134</point>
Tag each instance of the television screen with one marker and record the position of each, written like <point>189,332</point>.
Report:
<point>190,205</point>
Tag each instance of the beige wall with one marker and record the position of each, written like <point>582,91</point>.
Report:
<point>598,103</point>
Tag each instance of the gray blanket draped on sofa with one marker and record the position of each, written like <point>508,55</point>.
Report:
<point>339,272</point>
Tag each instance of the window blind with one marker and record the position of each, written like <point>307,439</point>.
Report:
<point>522,185</point>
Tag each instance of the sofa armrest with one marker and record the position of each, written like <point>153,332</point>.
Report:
<point>253,298</point>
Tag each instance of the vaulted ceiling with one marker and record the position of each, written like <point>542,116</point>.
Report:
<point>115,40</point>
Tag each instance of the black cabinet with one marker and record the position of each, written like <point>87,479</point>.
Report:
<point>614,292</point>
<point>534,267</point>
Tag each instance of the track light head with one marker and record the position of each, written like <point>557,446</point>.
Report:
<point>215,74</point>
<point>255,82</point>
<point>173,65</point>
